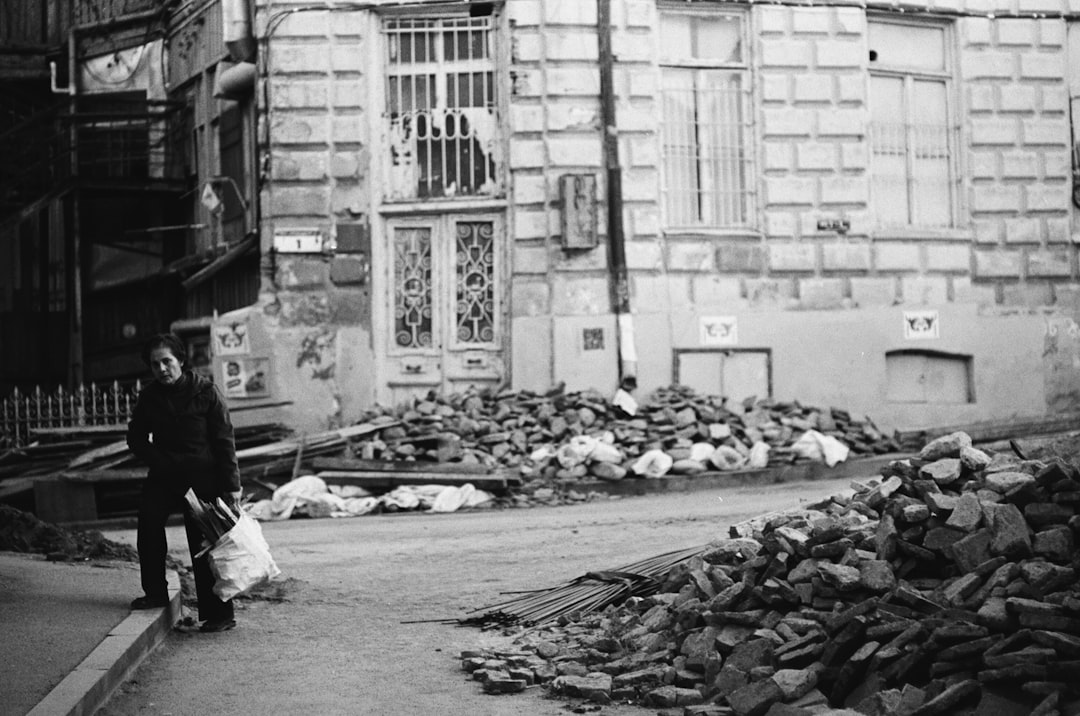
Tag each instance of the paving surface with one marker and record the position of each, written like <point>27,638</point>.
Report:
<point>71,643</point>
<point>68,633</point>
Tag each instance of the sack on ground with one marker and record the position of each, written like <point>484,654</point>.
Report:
<point>241,559</point>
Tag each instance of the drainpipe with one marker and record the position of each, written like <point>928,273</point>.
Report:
<point>620,285</point>
<point>76,373</point>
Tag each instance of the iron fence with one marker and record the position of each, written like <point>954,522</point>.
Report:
<point>21,413</point>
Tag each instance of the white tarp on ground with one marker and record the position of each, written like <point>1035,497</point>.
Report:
<point>310,496</point>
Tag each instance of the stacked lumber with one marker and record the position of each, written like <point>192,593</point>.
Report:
<point>100,447</point>
<point>947,585</point>
<point>526,430</point>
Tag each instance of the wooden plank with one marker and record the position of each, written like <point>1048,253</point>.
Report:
<point>312,441</point>
<point>105,451</point>
<point>76,431</point>
<point>15,487</point>
<point>991,430</point>
<point>450,468</point>
<point>383,480</point>
<point>134,473</point>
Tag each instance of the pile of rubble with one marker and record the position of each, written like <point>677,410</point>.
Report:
<point>23,532</point>
<point>571,436</point>
<point>946,586</point>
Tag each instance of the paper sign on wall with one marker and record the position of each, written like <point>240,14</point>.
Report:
<point>245,377</point>
<point>231,339</point>
<point>921,325</point>
<point>718,331</point>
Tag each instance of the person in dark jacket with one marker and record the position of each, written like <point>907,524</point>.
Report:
<point>181,428</point>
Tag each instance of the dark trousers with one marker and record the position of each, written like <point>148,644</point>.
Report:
<point>154,510</point>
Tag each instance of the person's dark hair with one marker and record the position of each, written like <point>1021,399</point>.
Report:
<point>165,340</point>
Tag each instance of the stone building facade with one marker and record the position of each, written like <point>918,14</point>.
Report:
<point>842,204</point>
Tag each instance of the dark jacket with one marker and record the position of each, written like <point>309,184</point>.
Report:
<point>193,443</point>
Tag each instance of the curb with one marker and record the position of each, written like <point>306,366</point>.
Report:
<point>89,686</point>
<point>799,472</point>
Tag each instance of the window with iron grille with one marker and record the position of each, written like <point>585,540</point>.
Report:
<point>913,182</point>
<point>707,172</point>
<point>441,108</point>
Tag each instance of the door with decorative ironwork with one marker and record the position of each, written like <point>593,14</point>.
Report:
<point>445,304</point>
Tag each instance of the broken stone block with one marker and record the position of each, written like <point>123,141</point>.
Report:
<point>503,684</point>
<point>840,576</point>
<point>1011,536</point>
<point>1064,644</point>
<point>755,698</point>
<point>942,472</point>
<point>1055,544</point>
<point>973,459</point>
<point>961,588</point>
<point>796,683</point>
<point>1006,482</point>
<point>946,446</point>
<point>662,697</point>
<point>951,699</point>
<point>1044,514</point>
<point>876,575</point>
<point>586,687</point>
<point>831,549</point>
<point>967,515</point>
<point>940,503</point>
<point>607,471</point>
<point>973,550</point>
<point>915,513</point>
<point>940,539</point>
<point>999,702</point>
<point>698,644</point>
<point>1029,655</point>
<point>750,654</point>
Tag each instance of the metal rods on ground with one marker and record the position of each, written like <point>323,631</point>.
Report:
<point>591,592</point>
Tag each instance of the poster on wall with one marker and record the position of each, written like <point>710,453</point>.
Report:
<point>921,325</point>
<point>231,339</point>
<point>718,331</point>
<point>245,377</point>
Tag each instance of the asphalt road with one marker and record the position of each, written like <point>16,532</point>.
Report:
<point>337,644</point>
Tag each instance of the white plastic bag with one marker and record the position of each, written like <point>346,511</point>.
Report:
<point>241,559</point>
<point>820,448</point>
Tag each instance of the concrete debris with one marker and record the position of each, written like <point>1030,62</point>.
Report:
<point>566,437</point>
<point>909,594</point>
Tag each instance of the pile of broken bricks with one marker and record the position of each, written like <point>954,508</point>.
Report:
<point>505,430</point>
<point>948,585</point>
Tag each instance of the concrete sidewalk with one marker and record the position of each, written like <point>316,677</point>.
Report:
<point>69,636</point>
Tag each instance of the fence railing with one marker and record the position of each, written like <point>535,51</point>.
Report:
<point>23,412</point>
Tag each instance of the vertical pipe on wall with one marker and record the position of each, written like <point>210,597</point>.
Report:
<point>620,285</point>
<point>75,339</point>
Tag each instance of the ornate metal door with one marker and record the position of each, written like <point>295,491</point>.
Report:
<point>445,304</point>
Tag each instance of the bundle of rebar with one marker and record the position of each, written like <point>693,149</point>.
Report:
<point>592,592</point>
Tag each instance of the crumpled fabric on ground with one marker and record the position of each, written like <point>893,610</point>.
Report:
<point>820,448</point>
<point>310,496</point>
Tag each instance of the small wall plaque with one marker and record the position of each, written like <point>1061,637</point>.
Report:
<point>718,331</point>
<point>593,339</point>
<point>298,241</point>
<point>921,325</point>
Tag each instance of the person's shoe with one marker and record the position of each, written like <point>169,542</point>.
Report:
<point>212,625</point>
<point>148,602</point>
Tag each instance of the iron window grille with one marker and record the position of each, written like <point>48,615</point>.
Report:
<point>913,138</point>
<point>707,167</point>
<point>441,110</point>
